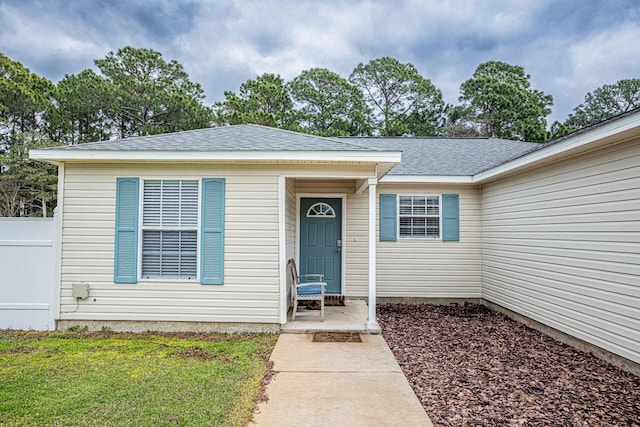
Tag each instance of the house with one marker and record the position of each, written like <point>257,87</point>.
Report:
<point>193,230</point>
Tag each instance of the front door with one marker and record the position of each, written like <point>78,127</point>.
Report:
<point>320,240</point>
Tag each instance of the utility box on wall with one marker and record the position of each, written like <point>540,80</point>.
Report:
<point>80,290</point>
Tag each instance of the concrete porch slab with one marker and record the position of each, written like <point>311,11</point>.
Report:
<point>350,318</point>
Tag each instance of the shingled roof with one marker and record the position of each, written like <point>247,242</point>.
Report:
<point>246,137</point>
<point>448,156</point>
<point>420,156</point>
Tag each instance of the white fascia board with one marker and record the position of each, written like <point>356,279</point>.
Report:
<point>217,156</point>
<point>426,179</point>
<point>610,133</point>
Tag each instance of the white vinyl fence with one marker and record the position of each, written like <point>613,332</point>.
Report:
<point>27,270</point>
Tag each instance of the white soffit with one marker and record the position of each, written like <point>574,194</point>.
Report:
<point>418,179</point>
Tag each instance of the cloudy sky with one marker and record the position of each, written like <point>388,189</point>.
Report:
<point>569,47</point>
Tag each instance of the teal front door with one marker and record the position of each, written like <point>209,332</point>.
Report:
<point>320,240</point>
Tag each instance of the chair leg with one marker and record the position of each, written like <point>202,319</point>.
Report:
<point>322,309</point>
<point>295,308</point>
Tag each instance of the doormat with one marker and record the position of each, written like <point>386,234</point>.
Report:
<point>336,337</point>
<point>334,300</point>
<point>329,301</point>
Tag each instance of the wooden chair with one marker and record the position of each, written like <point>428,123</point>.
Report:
<point>306,291</point>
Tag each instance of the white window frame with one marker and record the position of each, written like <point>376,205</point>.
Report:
<point>142,228</point>
<point>324,215</point>
<point>398,216</point>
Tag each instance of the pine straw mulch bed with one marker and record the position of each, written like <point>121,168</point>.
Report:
<point>471,366</point>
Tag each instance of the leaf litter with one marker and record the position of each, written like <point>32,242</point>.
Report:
<point>472,366</point>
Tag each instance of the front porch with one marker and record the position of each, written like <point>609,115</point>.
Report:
<point>328,225</point>
<point>352,317</point>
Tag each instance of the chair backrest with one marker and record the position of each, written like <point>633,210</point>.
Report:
<point>293,271</point>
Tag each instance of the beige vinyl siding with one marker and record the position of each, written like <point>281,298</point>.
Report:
<point>561,245</point>
<point>321,186</point>
<point>251,288</point>
<point>251,282</point>
<point>357,245</point>
<point>290,217</point>
<point>422,268</point>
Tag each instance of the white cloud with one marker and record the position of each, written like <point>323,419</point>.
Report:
<point>339,35</point>
<point>571,66</point>
<point>46,35</point>
<point>607,56</point>
<point>569,48</point>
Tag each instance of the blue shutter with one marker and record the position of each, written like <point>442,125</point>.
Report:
<point>212,232</point>
<point>388,226</point>
<point>126,250</point>
<point>450,217</point>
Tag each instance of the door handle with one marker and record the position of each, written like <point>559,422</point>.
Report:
<point>339,245</point>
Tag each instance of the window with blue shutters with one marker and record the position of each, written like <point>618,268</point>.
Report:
<point>419,216</point>
<point>178,233</point>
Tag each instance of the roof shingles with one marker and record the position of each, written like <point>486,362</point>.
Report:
<point>227,138</point>
<point>420,156</point>
<point>449,156</point>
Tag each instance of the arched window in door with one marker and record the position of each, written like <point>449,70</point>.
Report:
<point>321,209</point>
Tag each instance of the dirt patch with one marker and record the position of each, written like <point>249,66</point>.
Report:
<point>107,333</point>
<point>471,366</point>
<point>18,350</point>
<point>196,353</point>
<point>268,377</point>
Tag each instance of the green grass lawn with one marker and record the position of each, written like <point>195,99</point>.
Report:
<point>84,379</point>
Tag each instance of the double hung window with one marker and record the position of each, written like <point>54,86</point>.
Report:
<point>419,216</point>
<point>170,229</point>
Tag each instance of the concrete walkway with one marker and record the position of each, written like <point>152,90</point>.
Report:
<point>338,384</point>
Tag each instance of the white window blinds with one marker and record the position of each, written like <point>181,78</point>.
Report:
<point>170,233</point>
<point>419,216</point>
<point>170,203</point>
